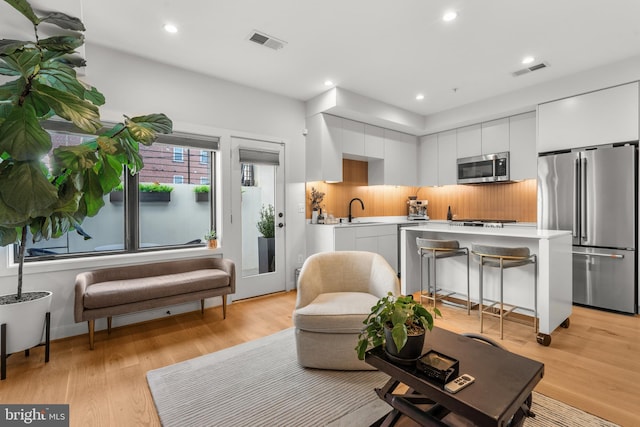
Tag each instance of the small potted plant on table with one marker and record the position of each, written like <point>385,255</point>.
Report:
<point>400,323</point>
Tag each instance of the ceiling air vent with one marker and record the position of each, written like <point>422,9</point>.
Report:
<point>266,40</point>
<point>530,69</point>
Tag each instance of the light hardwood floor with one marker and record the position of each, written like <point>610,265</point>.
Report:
<point>593,365</point>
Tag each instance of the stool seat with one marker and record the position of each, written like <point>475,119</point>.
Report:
<point>511,257</point>
<point>502,258</point>
<point>439,249</point>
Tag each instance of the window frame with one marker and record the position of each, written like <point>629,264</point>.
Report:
<point>131,232</point>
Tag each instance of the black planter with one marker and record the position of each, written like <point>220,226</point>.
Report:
<point>202,197</point>
<point>266,254</point>
<point>409,353</point>
<point>116,196</point>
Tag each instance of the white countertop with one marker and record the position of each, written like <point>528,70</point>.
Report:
<point>507,231</point>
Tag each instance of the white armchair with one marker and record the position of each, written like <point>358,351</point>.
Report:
<point>336,291</point>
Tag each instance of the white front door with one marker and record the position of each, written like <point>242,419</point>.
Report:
<point>257,197</point>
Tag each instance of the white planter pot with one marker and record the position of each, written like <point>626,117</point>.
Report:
<point>25,322</point>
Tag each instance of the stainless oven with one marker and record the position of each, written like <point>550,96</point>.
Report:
<point>485,168</point>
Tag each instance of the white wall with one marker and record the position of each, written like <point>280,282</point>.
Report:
<point>197,104</point>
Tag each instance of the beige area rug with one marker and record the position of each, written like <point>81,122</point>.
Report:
<point>260,383</point>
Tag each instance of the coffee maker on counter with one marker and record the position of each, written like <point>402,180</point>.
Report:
<point>417,209</point>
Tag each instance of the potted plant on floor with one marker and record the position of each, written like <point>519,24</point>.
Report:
<point>266,242</point>
<point>50,191</point>
<point>400,323</point>
<point>212,239</point>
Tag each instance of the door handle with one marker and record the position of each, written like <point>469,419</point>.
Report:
<point>615,256</point>
<point>576,197</point>
<point>583,201</point>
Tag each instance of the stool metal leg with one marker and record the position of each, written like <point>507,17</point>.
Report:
<point>435,279</point>
<point>501,298</point>
<point>468,288</point>
<point>535,294</point>
<point>481,293</point>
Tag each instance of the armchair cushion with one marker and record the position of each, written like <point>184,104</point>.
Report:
<point>335,312</point>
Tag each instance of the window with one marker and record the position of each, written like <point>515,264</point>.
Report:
<point>204,157</point>
<point>155,220</point>
<point>178,154</point>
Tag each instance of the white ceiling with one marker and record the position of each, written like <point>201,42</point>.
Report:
<point>387,50</point>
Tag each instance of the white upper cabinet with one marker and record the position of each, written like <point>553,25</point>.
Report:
<point>373,142</point>
<point>324,148</point>
<point>595,118</point>
<point>523,160</point>
<point>428,160</point>
<point>469,141</point>
<point>400,152</point>
<point>495,136</point>
<point>447,156</point>
<point>353,137</point>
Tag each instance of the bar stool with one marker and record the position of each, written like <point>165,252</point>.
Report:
<point>504,257</point>
<point>438,249</point>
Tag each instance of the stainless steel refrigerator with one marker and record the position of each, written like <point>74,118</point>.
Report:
<point>593,193</point>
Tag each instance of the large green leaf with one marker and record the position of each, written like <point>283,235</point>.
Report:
<point>61,77</point>
<point>82,113</point>
<point>11,90</point>
<point>399,334</point>
<point>94,96</point>
<point>9,217</point>
<point>67,43</point>
<point>24,8</point>
<point>8,69</point>
<point>8,46</point>
<point>93,196</point>
<point>8,236</point>
<point>22,136</point>
<point>74,157</point>
<point>40,106</point>
<point>63,21</point>
<point>35,196</point>
<point>110,173</point>
<point>72,60</point>
<point>144,128</point>
<point>24,61</point>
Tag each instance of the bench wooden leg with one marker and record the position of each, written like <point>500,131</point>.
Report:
<point>92,324</point>
<point>224,306</point>
<point>202,306</point>
<point>109,325</point>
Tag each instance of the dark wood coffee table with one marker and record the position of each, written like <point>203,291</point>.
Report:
<point>503,382</point>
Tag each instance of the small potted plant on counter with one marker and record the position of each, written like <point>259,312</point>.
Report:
<point>400,323</point>
<point>212,239</point>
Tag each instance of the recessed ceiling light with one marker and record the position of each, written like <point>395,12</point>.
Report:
<point>528,60</point>
<point>450,16</point>
<point>170,28</point>
<point>419,97</point>
<point>328,83</point>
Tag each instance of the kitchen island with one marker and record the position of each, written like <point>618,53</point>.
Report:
<point>552,247</point>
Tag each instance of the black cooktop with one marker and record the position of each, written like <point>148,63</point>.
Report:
<point>483,222</point>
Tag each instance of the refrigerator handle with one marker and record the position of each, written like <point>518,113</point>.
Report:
<point>576,197</point>
<point>583,200</point>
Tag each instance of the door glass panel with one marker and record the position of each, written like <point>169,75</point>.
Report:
<point>258,221</point>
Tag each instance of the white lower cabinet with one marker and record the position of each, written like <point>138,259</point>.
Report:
<point>381,239</point>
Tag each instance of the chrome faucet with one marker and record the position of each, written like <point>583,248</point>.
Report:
<point>352,200</point>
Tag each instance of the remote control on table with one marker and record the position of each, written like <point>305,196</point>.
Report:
<point>459,383</point>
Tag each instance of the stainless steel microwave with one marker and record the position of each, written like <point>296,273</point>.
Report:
<point>483,169</point>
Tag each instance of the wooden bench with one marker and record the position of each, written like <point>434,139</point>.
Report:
<point>119,290</point>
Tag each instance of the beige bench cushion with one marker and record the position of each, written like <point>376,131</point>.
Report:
<point>335,312</point>
<point>118,292</point>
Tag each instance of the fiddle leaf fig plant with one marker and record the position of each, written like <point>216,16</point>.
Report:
<point>46,190</point>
